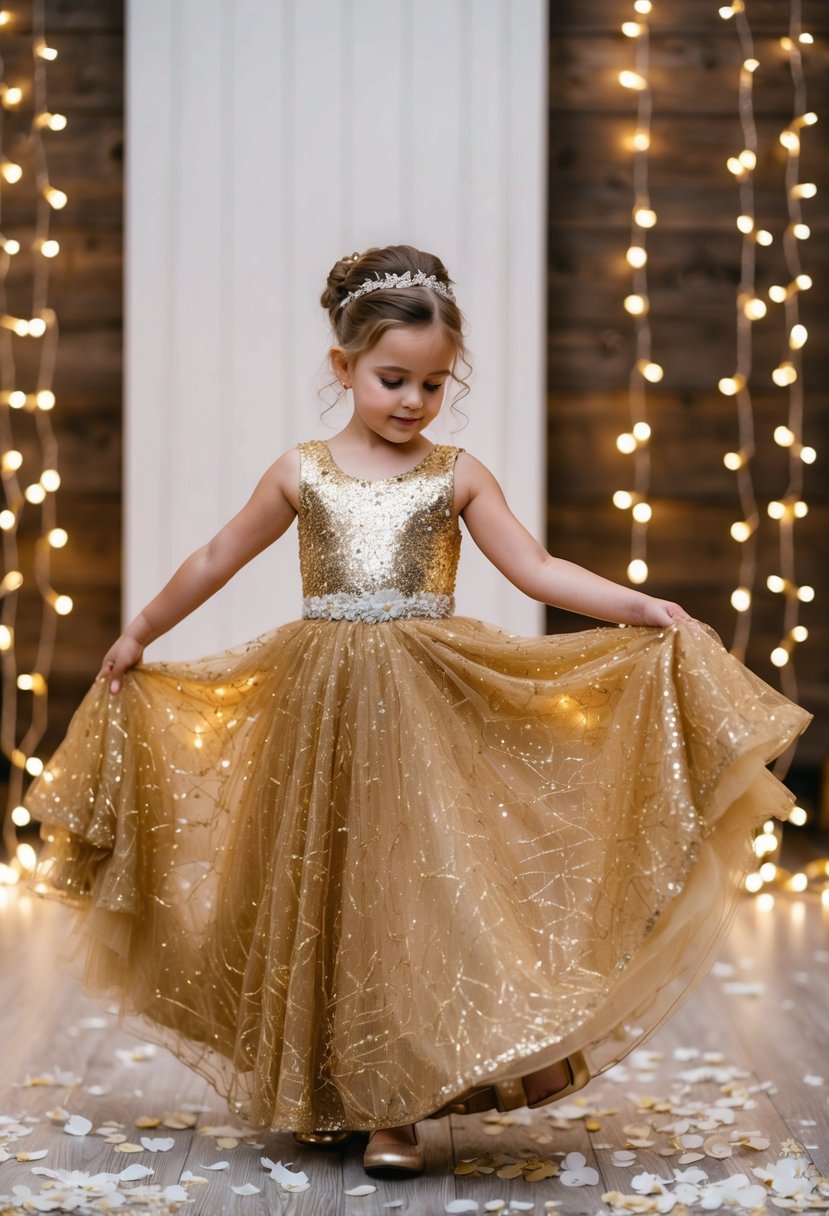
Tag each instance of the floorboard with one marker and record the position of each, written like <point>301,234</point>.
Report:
<point>755,1036</point>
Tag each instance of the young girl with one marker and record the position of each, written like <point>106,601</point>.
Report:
<point>385,862</point>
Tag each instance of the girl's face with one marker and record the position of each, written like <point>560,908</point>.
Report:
<point>399,384</point>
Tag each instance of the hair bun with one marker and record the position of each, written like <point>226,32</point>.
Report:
<point>336,290</point>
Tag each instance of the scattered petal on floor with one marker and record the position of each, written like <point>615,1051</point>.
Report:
<point>217,1165</point>
<point>158,1144</point>
<point>77,1125</point>
<point>364,1189</point>
<point>247,1189</point>
<point>462,1205</point>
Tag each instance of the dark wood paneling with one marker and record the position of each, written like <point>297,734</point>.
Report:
<point>693,274</point>
<point>86,83</point>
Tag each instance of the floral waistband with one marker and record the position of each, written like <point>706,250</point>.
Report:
<point>383,605</point>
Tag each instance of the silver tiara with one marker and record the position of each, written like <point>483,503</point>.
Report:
<point>418,279</point>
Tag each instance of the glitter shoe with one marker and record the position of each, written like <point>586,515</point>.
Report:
<point>511,1094</point>
<point>393,1160</point>
<point>322,1139</point>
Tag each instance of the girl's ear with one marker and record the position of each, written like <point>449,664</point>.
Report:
<point>339,364</point>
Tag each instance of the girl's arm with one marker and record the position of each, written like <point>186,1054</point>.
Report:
<point>528,565</point>
<point>268,513</point>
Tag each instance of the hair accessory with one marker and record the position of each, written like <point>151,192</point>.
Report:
<point>418,279</point>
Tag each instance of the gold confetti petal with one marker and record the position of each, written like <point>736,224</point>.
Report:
<point>126,1147</point>
<point>145,1121</point>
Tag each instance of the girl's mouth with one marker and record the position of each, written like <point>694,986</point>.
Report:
<point>404,421</point>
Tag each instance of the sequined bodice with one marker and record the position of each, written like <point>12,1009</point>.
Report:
<point>360,540</point>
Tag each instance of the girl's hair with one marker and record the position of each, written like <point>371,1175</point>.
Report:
<point>361,324</point>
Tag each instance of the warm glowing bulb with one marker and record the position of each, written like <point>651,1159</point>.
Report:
<point>751,65</point>
<point>790,140</point>
<point>12,96</point>
<point>623,499</point>
<point>6,637</point>
<point>729,385</point>
<point>753,882</point>
<point>804,190</point>
<point>808,455</point>
<point>631,29</point>
<point>12,581</point>
<point>57,537</point>
<point>11,172</point>
<point>641,432</point>
<point>799,881</point>
<point>10,246</point>
<point>806,38</point>
<point>17,399</point>
<point>636,305</point>
<point>45,399</point>
<point>55,198</point>
<point>641,140</point>
<point>64,605</point>
<point>800,509</point>
<point>637,570</point>
<point>626,442</point>
<point>645,217</point>
<point>50,249</point>
<point>797,816</point>
<point>779,656</point>
<point>768,871</point>
<point>754,309</point>
<point>733,461</point>
<point>805,594</point>
<point>740,531</point>
<point>775,583</point>
<point>745,223</point>
<point>784,375</point>
<point>34,493</point>
<point>12,460</point>
<point>653,372</point>
<point>642,512</point>
<point>20,817</point>
<point>763,237</point>
<point>735,166</point>
<point>777,294</point>
<point>784,436</point>
<point>636,256</point>
<point>776,509</point>
<point>801,232</point>
<point>642,7</point>
<point>632,80</point>
<point>34,767</point>
<point>748,159</point>
<point>56,122</point>
<point>807,120</point>
<point>741,599</point>
<point>50,479</point>
<point>727,12</point>
<point>798,337</point>
<point>799,633</point>
<point>45,52</point>
<point>7,520</point>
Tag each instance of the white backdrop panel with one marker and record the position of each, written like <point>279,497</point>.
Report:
<point>266,139</point>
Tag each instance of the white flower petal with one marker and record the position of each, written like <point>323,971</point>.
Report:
<point>247,1189</point>
<point>77,1125</point>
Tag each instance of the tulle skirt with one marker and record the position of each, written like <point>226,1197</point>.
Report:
<point>347,870</point>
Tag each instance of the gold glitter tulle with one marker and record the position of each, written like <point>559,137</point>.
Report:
<point>350,869</point>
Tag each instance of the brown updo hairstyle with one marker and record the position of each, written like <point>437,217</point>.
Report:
<point>361,324</point>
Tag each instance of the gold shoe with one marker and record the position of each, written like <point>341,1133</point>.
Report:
<point>511,1094</point>
<point>322,1139</point>
<point>385,1158</point>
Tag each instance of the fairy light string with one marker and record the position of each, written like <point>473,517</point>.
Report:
<point>28,452</point>
<point>788,374</point>
<point>645,371</point>
<point>749,308</point>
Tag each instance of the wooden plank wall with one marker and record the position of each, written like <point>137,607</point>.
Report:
<point>85,160</point>
<point>694,270</point>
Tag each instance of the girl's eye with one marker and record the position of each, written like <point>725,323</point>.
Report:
<point>390,383</point>
<point>433,388</point>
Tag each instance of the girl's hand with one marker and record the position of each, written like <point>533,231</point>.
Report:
<point>124,653</point>
<point>660,612</point>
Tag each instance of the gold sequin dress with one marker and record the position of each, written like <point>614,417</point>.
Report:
<point>383,852</point>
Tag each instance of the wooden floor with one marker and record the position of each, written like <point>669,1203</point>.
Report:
<point>755,1037</point>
